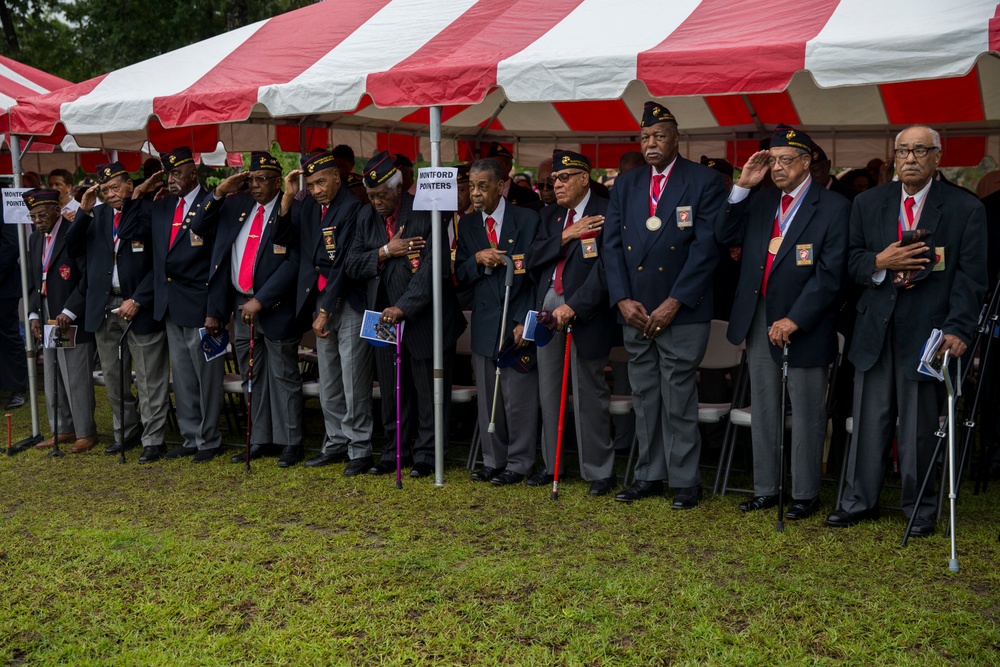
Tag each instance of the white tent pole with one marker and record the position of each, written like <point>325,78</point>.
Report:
<point>436,268</point>
<point>29,342</point>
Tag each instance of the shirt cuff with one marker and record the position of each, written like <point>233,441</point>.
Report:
<point>33,316</point>
<point>69,313</point>
<point>878,277</point>
<point>738,194</point>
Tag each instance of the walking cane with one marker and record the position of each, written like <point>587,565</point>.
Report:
<point>56,452</point>
<point>507,282</point>
<point>950,388</point>
<point>249,399</point>
<point>8,433</point>
<point>399,435</point>
<point>121,385</point>
<point>562,412</point>
<point>781,441</point>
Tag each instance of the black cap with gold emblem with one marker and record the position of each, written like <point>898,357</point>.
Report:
<point>106,172</point>
<point>819,155</point>
<point>562,159</point>
<point>317,162</point>
<point>786,135</point>
<point>653,113</point>
<point>463,173</point>
<point>354,180</point>
<point>264,161</point>
<point>499,150</point>
<point>718,164</point>
<point>379,169</point>
<point>176,158</point>
<point>37,197</point>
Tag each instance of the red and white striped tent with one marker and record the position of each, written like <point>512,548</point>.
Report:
<point>572,72</point>
<point>20,80</point>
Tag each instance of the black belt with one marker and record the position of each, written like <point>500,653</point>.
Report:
<point>115,292</point>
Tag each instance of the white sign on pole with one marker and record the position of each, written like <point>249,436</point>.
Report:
<point>15,211</point>
<point>437,189</point>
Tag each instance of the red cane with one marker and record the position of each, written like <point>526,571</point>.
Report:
<point>562,412</point>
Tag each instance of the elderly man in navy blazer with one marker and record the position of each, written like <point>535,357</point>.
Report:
<point>937,281</point>
<point>794,240</point>
<point>660,255</point>
<point>565,259</point>
<point>260,276</point>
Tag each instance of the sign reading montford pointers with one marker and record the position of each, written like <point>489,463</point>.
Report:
<point>14,209</point>
<point>437,189</point>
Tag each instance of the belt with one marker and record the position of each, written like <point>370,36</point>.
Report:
<point>115,292</point>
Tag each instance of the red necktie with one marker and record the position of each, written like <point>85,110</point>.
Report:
<point>908,205</point>
<point>491,232</point>
<point>654,195</point>
<point>390,226</point>
<point>114,230</point>
<point>786,201</point>
<point>250,251</point>
<point>557,284</point>
<point>178,221</point>
<point>322,216</point>
<point>321,281</point>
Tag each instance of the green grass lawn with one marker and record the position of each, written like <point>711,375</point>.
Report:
<point>178,564</point>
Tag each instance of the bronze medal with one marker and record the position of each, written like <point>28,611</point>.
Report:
<point>653,223</point>
<point>774,245</point>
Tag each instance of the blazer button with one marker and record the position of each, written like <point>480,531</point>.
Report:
<point>755,292</point>
<point>630,248</point>
<point>660,269</point>
<point>673,248</point>
<point>892,297</point>
<point>307,289</point>
<point>316,267</point>
<point>216,266</point>
<point>169,280</point>
<point>639,269</point>
<point>761,268</point>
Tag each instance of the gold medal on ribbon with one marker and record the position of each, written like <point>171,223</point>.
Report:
<point>653,223</point>
<point>773,245</point>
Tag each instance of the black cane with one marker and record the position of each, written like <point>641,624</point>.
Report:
<point>56,452</point>
<point>781,440</point>
<point>249,399</point>
<point>399,409</point>
<point>122,342</point>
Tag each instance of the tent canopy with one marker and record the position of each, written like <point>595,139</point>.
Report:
<point>562,70</point>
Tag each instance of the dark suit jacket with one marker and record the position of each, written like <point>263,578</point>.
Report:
<point>91,236</point>
<point>10,269</point>
<point>406,282</point>
<point>650,266</point>
<point>949,300</point>
<point>992,204</point>
<point>524,197</point>
<point>65,283</point>
<point>518,231</point>
<point>180,271</point>
<point>302,227</point>
<point>275,272</point>
<point>804,292</point>
<point>584,283</point>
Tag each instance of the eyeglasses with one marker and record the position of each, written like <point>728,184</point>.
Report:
<point>42,215</point>
<point>564,177</point>
<point>262,179</point>
<point>918,151</point>
<point>543,185</point>
<point>785,160</point>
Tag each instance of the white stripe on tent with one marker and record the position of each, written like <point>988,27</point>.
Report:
<point>830,107</point>
<point>8,73</point>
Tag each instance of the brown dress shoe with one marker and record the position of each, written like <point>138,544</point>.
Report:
<point>49,442</point>
<point>84,444</point>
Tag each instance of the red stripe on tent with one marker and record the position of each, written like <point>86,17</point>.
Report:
<point>607,156</point>
<point>740,150</point>
<point>994,31</point>
<point>952,100</point>
<point>727,47</point>
<point>422,116</point>
<point>43,79</point>
<point>39,115</point>
<point>490,31</point>
<point>290,138</point>
<point>12,88</point>
<point>279,51</point>
<point>199,138</point>
<point>962,151</point>
<point>729,110</point>
<point>398,143</point>
<point>774,108</point>
<point>366,101</point>
<point>609,116</point>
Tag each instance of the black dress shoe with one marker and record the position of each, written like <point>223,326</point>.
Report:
<point>506,478</point>
<point>758,503</point>
<point>485,474</point>
<point>256,451</point>
<point>115,448</point>
<point>182,451</point>
<point>383,467</point>
<point>421,469</point>
<point>539,479</point>
<point>150,454</point>
<point>603,487</point>
<point>16,400</point>
<point>802,509</point>
<point>207,454</point>
<point>292,455</point>
<point>325,459</point>
<point>687,498</point>
<point>843,519</point>
<point>358,466</point>
<point>922,528</point>
<point>640,489</point>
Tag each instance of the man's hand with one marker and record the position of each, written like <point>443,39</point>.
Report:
<point>250,310</point>
<point>291,189</point>
<point>213,326</point>
<point>519,340</point>
<point>70,215</point>
<point>399,246</point>
<point>952,344</point>
<point>128,310</point>
<point>392,315</point>
<point>231,184</point>
<point>36,329</point>
<point>898,257</point>
<point>89,198</point>
<point>590,224</point>
<point>754,170</point>
<point>64,322</point>
<point>634,313</point>
<point>490,257</point>
<point>563,315</point>
<point>319,325</point>
<point>780,332</point>
<point>151,184</point>
<point>661,318</point>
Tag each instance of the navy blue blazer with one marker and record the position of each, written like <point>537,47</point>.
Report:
<point>65,284</point>
<point>10,270</point>
<point>650,266</point>
<point>807,275</point>
<point>303,227</point>
<point>180,286</point>
<point>948,299</point>
<point>406,282</point>
<point>91,236</point>
<point>584,282</point>
<point>275,271</point>
<point>518,231</point>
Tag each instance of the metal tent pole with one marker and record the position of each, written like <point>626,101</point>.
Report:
<point>436,268</point>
